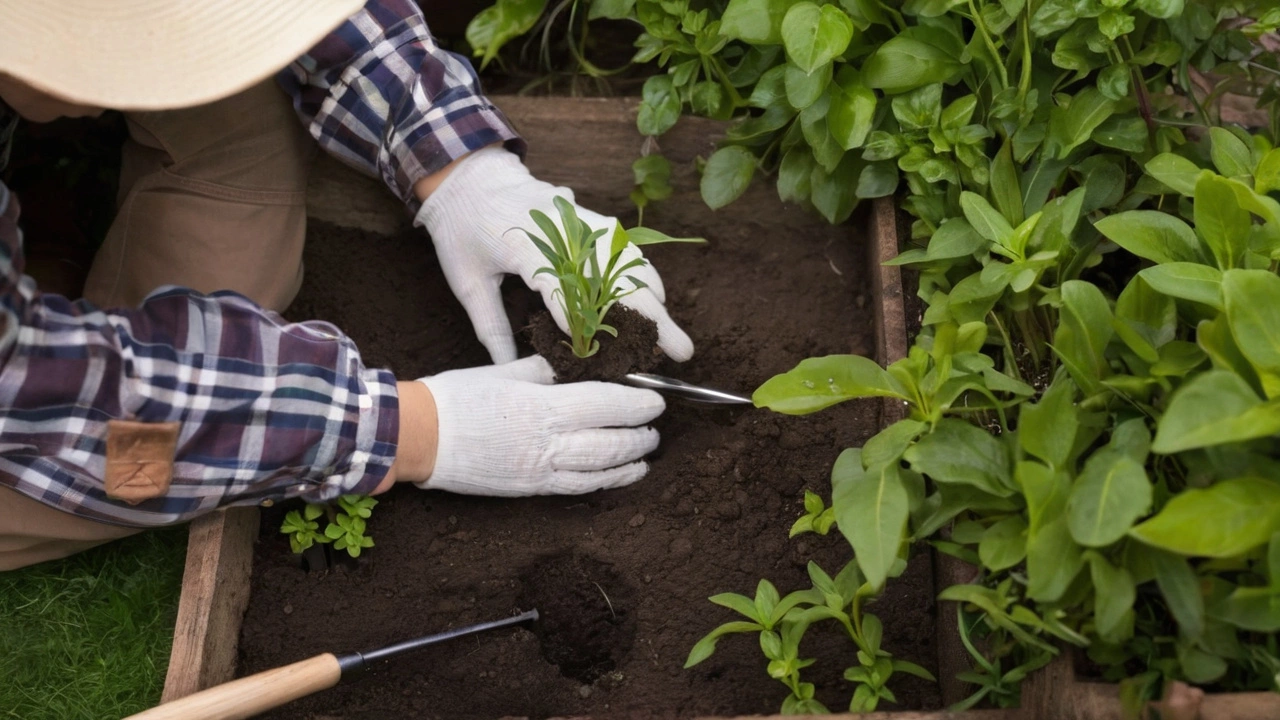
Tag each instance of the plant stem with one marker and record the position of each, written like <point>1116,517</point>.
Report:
<point>991,45</point>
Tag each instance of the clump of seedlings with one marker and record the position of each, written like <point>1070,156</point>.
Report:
<point>587,290</point>
<point>345,528</point>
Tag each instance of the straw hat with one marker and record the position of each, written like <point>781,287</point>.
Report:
<point>157,54</point>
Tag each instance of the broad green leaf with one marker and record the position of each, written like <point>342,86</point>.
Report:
<point>1226,519</point>
<point>983,218</point>
<point>704,648</point>
<point>794,174</point>
<point>740,604</point>
<point>1179,173</point>
<point>727,174</point>
<point>1111,493</point>
<point>1084,329</point>
<point>492,27</point>
<point>815,35</point>
<point>888,445</point>
<point>1220,221</point>
<point>904,63</point>
<point>1252,300</point>
<point>1053,561</point>
<point>1187,281</point>
<point>1149,315</point>
<point>804,88</point>
<point>1214,337</point>
<point>659,106</point>
<point>1114,593</point>
<point>1005,188</point>
<point>1230,155</point>
<point>1071,126</point>
<point>1123,133</point>
<point>957,452</point>
<point>1152,235</point>
<point>1181,590</point>
<point>1047,429</point>
<point>1267,176</point>
<point>871,512</point>
<point>852,111</point>
<point>758,22</point>
<point>878,179</point>
<point>1163,9</point>
<point>818,383</point>
<point>1213,408</point>
<point>643,236</point>
<point>611,9</point>
<point>830,191</point>
<point>1253,608</point>
<point>1004,544</point>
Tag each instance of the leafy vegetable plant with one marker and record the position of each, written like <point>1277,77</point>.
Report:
<point>346,526</point>
<point>590,275</point>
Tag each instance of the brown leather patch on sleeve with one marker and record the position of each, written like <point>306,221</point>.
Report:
<point>140,459</point>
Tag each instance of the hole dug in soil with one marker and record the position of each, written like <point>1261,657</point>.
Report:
<point>586,627</point>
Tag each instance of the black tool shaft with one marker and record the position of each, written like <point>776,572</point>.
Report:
<point>355,662</point>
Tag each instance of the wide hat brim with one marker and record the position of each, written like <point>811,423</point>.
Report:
<point>158,54</point>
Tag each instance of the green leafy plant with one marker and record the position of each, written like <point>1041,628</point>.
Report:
<point>1130,507</point>
<point>346,526</point>
<point>781,623</point>
<point>590,281</point>
<point>302,528</point>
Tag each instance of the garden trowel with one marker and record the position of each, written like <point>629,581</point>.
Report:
<point>688,391</point>
<point>255,694</point>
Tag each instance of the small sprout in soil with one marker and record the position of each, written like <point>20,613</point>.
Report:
<point>302,528</point>
<point>347,533</point>
<point>346,529</point>
<point>587,291</point>
<point>781,623</point>
<point>817,518</point>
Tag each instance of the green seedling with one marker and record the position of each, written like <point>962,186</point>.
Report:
<point>587,290</point>
<point>347,533</point>
<point>346,527</point>
<point>302,528</point>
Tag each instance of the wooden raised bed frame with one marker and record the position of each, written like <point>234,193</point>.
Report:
<point>215,586</point>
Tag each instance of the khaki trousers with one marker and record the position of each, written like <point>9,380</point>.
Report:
<point>211,198</point>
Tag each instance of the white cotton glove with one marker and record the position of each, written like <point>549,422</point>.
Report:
<point>476,217</point>
<point>507,431</point>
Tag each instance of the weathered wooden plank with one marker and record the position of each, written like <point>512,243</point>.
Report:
<point>215,593</point>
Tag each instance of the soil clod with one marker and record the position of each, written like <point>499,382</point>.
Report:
<point>634,350</point>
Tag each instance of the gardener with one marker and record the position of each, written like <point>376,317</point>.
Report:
<point>177,402</point>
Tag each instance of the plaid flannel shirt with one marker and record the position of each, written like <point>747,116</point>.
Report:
<point>266,409</point>
<point>380,95</point>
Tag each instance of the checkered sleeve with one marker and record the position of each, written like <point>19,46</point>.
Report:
<point>379,94</point>
<point>265,409</point>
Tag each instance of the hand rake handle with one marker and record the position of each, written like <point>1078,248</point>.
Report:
<point>252,695</point>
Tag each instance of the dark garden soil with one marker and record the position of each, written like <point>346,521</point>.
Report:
<point>621,577</point>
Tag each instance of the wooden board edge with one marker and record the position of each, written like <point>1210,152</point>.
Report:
<point>215,594</point>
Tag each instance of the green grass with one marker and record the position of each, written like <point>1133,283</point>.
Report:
<point>89,636</point>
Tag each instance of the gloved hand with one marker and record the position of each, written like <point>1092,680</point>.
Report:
<point>507,431</point>
<point>476,217</point>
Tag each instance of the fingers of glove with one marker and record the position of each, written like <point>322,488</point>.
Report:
<point>533,369</point>
<point>580,406</point>
<point>546,286</point>
<point>600,448</point>
<point>571,482</point>
<point>673,341</point>
<point>483,303</point>
<point>645,273</point>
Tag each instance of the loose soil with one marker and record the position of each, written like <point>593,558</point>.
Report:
<point>620,577</point>
<point>634,350</point>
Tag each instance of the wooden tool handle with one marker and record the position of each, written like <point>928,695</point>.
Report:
<point>251,695</point>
